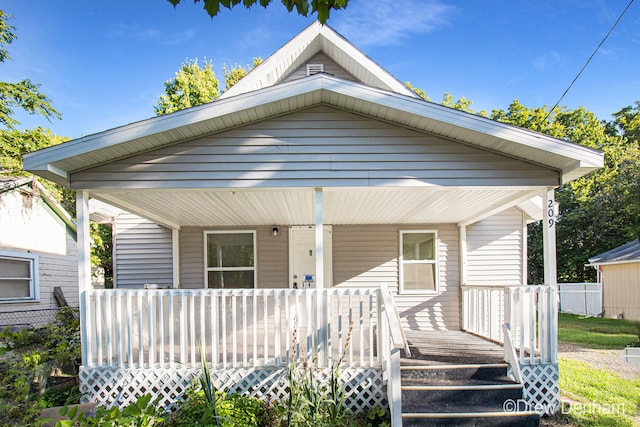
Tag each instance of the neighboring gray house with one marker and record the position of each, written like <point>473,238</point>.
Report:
<point>38,252</point>
<point>315,199</point>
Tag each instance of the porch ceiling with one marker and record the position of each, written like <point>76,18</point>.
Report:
<point>418,205</point>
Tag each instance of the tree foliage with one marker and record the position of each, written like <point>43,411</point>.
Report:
<point>192,85</point>
<point>24,94</point>
<point>599,211</point>
<point>233,75</point>
<point>321,7</point>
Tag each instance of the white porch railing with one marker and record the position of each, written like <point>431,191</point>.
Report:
<point>392,340</point>
<point>530,311</point>
<point>483,311</point>
<point>237,328</point>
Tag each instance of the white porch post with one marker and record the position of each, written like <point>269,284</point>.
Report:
<point>319,240</point>
<point>550,267</point>
<point>549,238</point>
<point>84,270</point>
<point>175,246</point>
<point>322,315</point>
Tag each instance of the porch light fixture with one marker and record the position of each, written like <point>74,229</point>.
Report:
<point>275,231</point>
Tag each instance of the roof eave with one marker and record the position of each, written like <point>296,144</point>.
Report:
<point>571,160</point>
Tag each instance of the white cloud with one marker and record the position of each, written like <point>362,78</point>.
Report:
<point>388,22</point>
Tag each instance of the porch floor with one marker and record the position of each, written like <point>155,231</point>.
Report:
<point>451,347</point>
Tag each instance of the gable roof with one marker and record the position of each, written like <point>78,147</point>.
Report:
<point>58,162</point>
<point>314,39</point>
<point>32,185</point>
<point>629,252</point>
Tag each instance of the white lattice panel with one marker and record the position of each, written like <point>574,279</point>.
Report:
<point>541,388</point>
<point>364,388</point>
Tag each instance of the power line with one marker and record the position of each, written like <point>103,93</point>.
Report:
<point>590,58</point>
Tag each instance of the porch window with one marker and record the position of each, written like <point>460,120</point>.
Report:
<point>18,277</point>
<point>418,261</point>
<point>230,259</point>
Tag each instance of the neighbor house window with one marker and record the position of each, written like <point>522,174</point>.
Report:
<point>418,261</point>
<point>230,259</point>
<point>18,277</point>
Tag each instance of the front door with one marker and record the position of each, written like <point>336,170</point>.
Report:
<point>302,257</point>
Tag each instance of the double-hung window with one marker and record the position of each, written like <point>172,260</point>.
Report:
<point>418,261</point>
<point>18,277</point>
<point>230,258</point>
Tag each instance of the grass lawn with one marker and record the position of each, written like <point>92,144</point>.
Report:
<point>600,398</point>
<point>595,332</point>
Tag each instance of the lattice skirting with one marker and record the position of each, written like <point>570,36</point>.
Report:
<point>364,388</point>
<point>541,388</point>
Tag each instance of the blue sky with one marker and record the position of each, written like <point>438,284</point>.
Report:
<point>104,63</point>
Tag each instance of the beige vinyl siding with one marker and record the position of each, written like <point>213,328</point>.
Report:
<point>330,67</point>
<point>495,249</point>
<point>272,255</point>
<point>143,253</point>
<point>365,256</point>
<point>320,146</point>
<point>621,290</point>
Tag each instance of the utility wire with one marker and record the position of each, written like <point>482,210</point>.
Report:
<point>590,58</point>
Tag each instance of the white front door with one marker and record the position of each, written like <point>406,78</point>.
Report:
<point>302,257</point>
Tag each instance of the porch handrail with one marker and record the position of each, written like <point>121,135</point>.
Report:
<point>510,355</point>
<point>392,317</point>
<point>391,339</point>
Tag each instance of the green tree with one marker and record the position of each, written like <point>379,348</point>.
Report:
<point>24,94</point>
<point>597,212</point>
<point>322,7</point>
<point>233,75</point>
<point>192,85</point>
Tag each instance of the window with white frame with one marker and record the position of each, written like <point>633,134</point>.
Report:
<point>230,259</point>
<point>418,261</point>
<point>18,277</point>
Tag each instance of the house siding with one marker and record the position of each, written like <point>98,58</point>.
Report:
<point>363,256</point>
<point>495,250</point>
<point>272,256</point>
<point>621,290</point>
<point>29,226</point>
<point>143,253</point>
<point>330,67</point>
<point>320,146</point>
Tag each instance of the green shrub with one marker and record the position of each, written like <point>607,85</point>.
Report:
<point>141,413</point>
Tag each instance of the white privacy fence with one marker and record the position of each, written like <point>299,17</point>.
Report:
<point>580,298</point>
<point>146,328</point>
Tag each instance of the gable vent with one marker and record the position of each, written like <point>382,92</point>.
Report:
<point>315,69</point>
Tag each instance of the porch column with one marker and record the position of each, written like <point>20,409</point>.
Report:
<point>322,314</point>
<point>549,238</point>
<point>550,269</point>
<point>84,269</point>
<point>319,240</point>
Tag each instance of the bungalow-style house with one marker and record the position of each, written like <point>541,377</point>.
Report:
<point>619,276</point>
<point>38,253</point>
<point>318,209</point>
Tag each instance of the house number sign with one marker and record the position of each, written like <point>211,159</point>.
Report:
<point>551,212</point>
